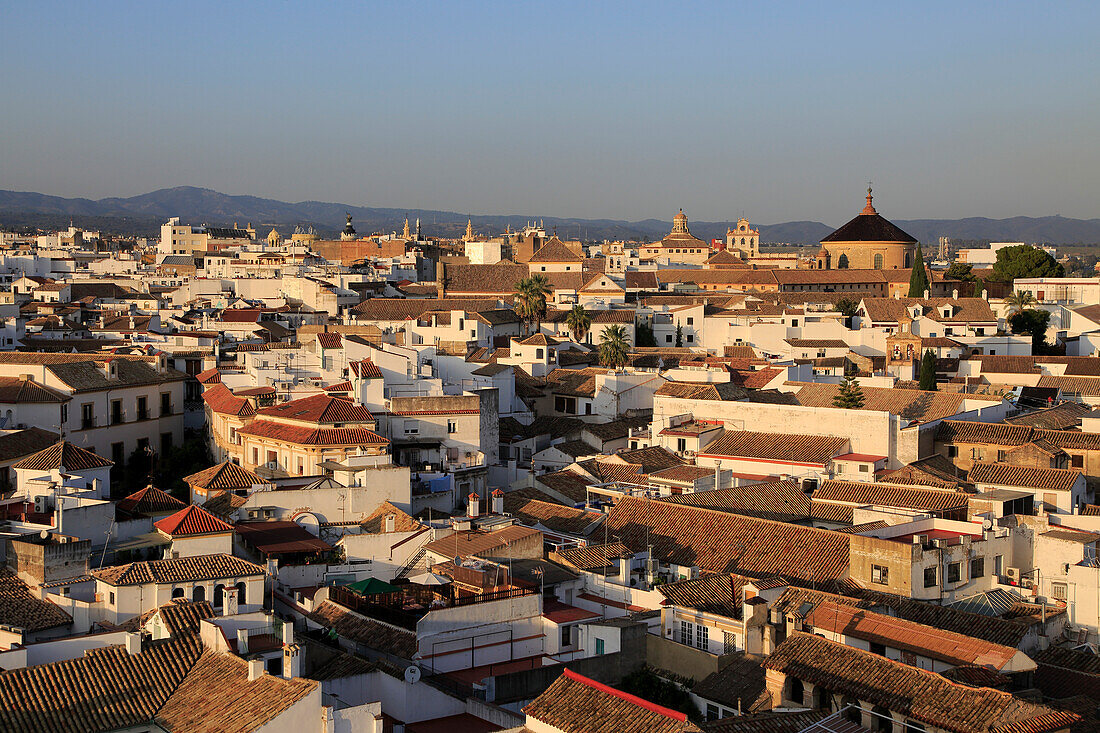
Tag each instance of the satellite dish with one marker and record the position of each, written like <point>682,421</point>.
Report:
<point>412,674</point>
<point>987,524</point>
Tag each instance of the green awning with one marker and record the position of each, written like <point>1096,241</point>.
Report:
<point>371,587</point>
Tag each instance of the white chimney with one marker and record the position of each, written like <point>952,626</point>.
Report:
<point>292,661</point>
<point>474,505</point>
<point>229,602</point>
<point>624,569</point>
<point>391,522</point>
<point>255,669</point>
<point>288,633</point>
<point>926,295</point>
<point>955,294</point>
<point>242,642</point>
<point>133,643</point>
<point>498,502</point>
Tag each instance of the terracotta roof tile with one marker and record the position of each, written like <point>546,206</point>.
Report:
<point>319,408</point>
<point>375,523</point>
<point>719,594</point>
<point>225,476</point>
<point>594,557</point>
<point>1003,474</point>
<point>890,495</point>
<point>14,390</point>
<point>177,570</point>
<point>722,542</point>
<point>222,401</point>
<point>21,608</point>
<point>383,637</point>
<point>817,449</point>
<point>555,517</point>
<point>150,500</point>
<point>191,520</point>
<point>913,405</point>
<point>577,704</point>
<point>914,692</point>
<point>63,456</point>
<point>303,435</point>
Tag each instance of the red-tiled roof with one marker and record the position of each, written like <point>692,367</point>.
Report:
<point>910,691</point>
<point>1003,474</point>
<point>303,435</point>
<point>63,456</point>
<point>222,401</point>
<point>209,376</point>
<point>722,542</point>
<point>226,476</point>
<point>15,390</point>
<point>319,408</point>
<point>192,520</point>
<point>816,449</point>
<point>150,500</point>
<point>366,369</point>
<point>330,340</point>
<point>177,570</point>
<point>577,704</point>
<point>273,538</point>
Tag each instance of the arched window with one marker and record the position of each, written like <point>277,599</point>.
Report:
<point>842,263</point>
<point>881,720</point>
<point>907,265</point>
<point>878,261</point>
<point>219,595</point>
<point>742,241</point>
<point>852,712</point>
<point>798,691</point>
<point>199,594</point>
<point>177,592</point>
<point>240,593</point>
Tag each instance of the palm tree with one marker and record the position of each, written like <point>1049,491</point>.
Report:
<point>523,301</point>
<point>578,322</point>
<point>1019,301</point>
<point>540,290</point>
<point>614,348</point>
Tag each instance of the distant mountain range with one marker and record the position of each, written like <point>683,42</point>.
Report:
<point>143,215</point>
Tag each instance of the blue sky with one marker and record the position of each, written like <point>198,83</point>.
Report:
<point>617,110</point>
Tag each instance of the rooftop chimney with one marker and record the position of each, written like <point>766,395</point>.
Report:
<point>498,501</point>
<point>292,661</point>
<point>474,505</point>
<point>133,643</point>
<point>391,522</point>
<point>242,642</point>
<point>255,669</point>
<point>229,602</point>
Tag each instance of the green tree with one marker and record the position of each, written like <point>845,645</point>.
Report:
<point>1032,322</point>
<point>960,271</point>
<point>522,301</point>
<point>578,322</point>
<point>529,299</point>
<point>1021,300</point>
<point>540,292</point>
<point>979,287</point>
<point>679,335</point>
<point>614,348</point>
<point>918,279</point>
<point>928,371</point>
<point>643,335</point>
<point>848,308</point>
<point>1023,260</point>
<point>850,394</point>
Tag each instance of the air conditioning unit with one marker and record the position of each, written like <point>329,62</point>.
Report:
<point>1013,574</point>
<point>41,504</point>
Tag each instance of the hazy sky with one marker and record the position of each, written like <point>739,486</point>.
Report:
<point>566,109</point>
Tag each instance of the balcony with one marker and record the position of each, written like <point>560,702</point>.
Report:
<point>87,423</point>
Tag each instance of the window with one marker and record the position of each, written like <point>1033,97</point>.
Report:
<point>1059,591</point>
<point>142,408</point>
<point>1001,455</point>
<point>880,574</point>
<point>165,403</point>
<point>977,567</point>
<point>219,595</point>
<point>687,633</point>
<point>198,595</point>
<point>930,577</point>
<point>999,565</point>
<point>690,338</point>
<point>712,712</point>
<point>116,412</point>
<point>272,456</point>
<point>864,468</point>
<point>118,453</point>
<point>1077,461</point>
<point>691,321</point>
<point>703,638</point>
<point>879,649</point>
<point>452,426</point>
<point>538,353</point>
<point>177,592</point>
<point>112,601</point>
<point>729,642</point>
<point>668,339</point>
<point>412,427</point>
<point>240,593</point>
<point>87,415</point>
<point>954,572</point>
<point>976,454</point>
<point>599,646</point>
<point>255,455</point>
<point>952,451</point>
<point>681,444</point>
